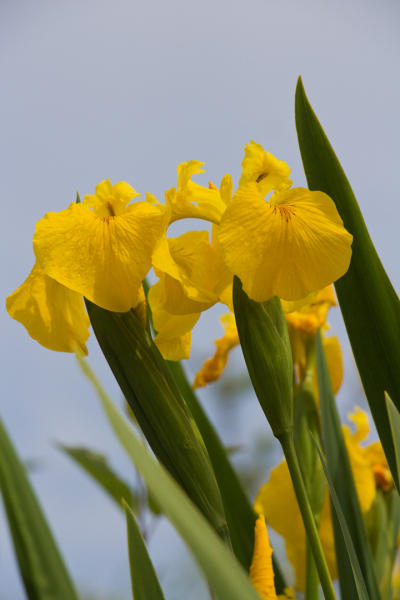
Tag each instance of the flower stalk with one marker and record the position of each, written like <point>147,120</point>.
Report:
<point>287,443</point>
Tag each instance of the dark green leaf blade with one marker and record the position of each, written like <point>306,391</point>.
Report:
<point>145,584</point>
<point>341,478</point>
<point>238,510</point>
<point>159,407</point>
<point>369,304</point>
<point>42,569</point>
<point>96,465</point>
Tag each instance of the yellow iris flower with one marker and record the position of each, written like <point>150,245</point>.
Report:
<point>193,278</point>
<point>101,248</point>
<point>290,246</point>
<point>276,499</point>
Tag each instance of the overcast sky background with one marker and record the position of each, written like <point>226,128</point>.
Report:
<point>127,90</point>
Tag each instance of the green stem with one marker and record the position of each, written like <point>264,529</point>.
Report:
<point>287,443</point>
<point>312,579</point>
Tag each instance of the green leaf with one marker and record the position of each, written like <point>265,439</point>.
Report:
<point>222,570</point>
<point>239,513</point>
<point>342,483</point>
<point>394,421</point>
<point>238,510</point>
<point>382,523</point>
<point>41,566</point>
<point>96,465</point>
<point>369,304</point>
<point>159,407</point>
<point>352,587</point>
<point>145,584</point>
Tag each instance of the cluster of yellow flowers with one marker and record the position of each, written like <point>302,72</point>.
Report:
<point>279,240</point>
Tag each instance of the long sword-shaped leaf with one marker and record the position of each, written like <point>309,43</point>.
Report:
<point>96,465</point>
<point>41,566</point>
<point>340,475</point>
<point>352,588</point>
<point>145,584</point>
<point>238,510</point>
<point>370,306</point>
<point>159,407</point>
<point>394,421</point>
<point>222,570</point>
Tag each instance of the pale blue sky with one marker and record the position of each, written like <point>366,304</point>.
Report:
<point>127,90</point>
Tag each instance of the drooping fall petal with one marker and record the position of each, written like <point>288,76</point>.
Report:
<point>174,332</point>
<point>104,259</point>
<point>288,247</point>
<point>52,314</point>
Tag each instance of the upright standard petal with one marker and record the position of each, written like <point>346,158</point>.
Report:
<point>264,169</point>
<point>52,314</point>
<point>104,259</point>
<point>191,200</point>
<point>291,246</point>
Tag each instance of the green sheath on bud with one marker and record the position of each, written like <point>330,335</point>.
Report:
<point>159,408</point>
<point>266,348</point>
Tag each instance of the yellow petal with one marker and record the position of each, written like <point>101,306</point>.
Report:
<point>376,457</point>
<point>359,418</point>
<point>191,200</point>
<point>174,332</point>
<point>263,169</point>
<point>52,314</point>
<point>261,570</point>
<point>171,297</point>
<point>103,259</point>
<point>109,199</point>
<point>288,247</point>
<point>213,367</point>
<point>196,264</point>
<point>334,360</point>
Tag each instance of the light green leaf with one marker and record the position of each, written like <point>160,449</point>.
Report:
<point>369,304</point>
<point>394,420</point>
<point>96,465</point>
<point>145,584</point>
<point>225,575</point>
<point>41,566</point>
<point>343,494</point>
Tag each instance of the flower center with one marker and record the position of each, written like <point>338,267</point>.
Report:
<point>286,212</point>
